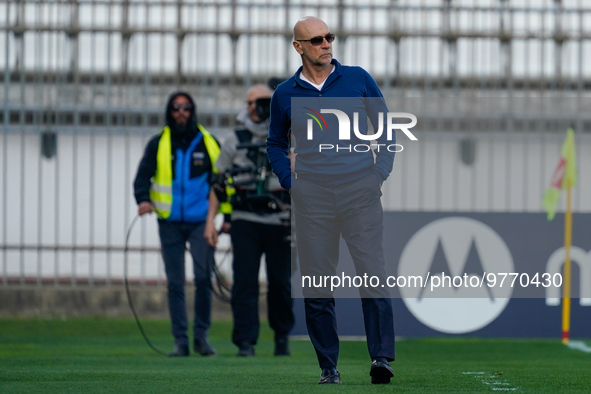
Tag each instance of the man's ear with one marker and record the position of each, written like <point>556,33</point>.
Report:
<point>298,47</point>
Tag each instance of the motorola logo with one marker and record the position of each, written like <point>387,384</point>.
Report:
<point>455,246</point>
<point>554,266</point>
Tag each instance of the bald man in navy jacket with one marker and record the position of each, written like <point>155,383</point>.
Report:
<point>334,195</point>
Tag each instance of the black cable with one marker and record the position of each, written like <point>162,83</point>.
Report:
<point>137,319</point>
<point>222,291</point>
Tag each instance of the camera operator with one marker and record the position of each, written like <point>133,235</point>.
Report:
<point>258,225</point>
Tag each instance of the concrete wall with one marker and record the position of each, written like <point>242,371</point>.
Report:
<point>111,301</point>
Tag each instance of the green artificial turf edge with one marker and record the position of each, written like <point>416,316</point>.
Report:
<point>109,355</point>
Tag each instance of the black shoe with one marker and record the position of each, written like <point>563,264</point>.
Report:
<point>203,347</point>
<point>179,351</point>
<point>380,372</point>
<point>245,349</point>
<point>330,376</point>
<point>282,346</point>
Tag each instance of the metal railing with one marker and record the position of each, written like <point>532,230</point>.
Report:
<point>84,85</point>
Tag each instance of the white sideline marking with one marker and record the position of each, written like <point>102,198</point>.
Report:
<point>579,345</point>
<point>491,379</point>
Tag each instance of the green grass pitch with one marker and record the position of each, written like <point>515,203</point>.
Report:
<point>109,355</point>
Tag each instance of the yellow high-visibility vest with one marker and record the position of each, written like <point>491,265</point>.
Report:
<point>161,188</point>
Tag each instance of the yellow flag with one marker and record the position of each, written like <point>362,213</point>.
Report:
<point>564,175</point>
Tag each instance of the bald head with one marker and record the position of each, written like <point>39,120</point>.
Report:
<point>259,91</point>
<point>303,28</point>
<point>317,56</point>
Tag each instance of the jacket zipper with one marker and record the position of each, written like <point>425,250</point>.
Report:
<point>182,187</point>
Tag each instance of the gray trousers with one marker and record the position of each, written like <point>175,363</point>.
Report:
<point>322,215</point>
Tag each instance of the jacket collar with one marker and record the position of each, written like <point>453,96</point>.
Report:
<point>334,75</point>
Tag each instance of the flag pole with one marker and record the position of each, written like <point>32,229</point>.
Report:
<point>566,284</point>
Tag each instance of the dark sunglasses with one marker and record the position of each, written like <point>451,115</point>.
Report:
<point>185,106</point>
<point>319,39</point>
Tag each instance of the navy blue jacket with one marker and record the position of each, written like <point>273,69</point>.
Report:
<point>329,167</point>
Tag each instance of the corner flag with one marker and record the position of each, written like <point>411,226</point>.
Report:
<point>564,175</point>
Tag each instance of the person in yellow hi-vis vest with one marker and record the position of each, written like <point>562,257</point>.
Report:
<point>173,180</point>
